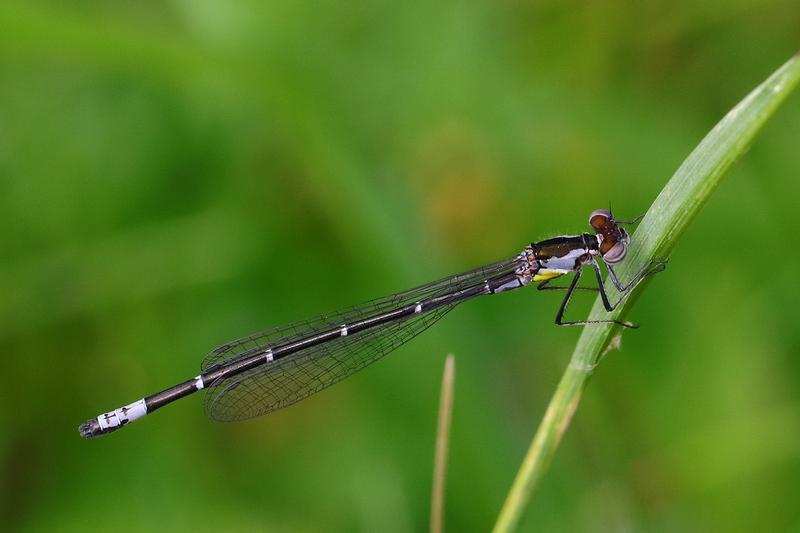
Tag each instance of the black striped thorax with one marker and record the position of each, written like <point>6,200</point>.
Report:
<point>564,253</point>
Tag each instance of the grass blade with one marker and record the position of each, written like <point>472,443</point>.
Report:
<point>674,208</point>
<point>442,445</point>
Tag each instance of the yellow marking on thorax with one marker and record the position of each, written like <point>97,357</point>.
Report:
<point>548,273</point>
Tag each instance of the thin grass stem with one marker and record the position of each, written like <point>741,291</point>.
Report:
<point>442,445</point>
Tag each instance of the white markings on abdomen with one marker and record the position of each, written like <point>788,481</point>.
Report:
<point>122,416</point>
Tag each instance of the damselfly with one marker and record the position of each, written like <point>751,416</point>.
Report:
<point>258,374</point>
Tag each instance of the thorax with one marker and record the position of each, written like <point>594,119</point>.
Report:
<point>560,255</point>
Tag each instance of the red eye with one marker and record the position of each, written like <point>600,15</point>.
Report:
<point>599,219</point>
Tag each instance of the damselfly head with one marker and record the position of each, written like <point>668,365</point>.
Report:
<point>612,239</point>
<point>600,218</point>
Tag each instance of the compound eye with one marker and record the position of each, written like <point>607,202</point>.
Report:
<point>599,218</point>
<point>616,253</point>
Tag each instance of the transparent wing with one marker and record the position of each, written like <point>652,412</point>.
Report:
<point>288,380</point>
<point>301,329</point>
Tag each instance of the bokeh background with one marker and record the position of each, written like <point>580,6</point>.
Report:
<point>177,174</point>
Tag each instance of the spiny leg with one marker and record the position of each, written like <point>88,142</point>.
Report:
<point>638,277</point>
<point>563,307</point>
<point>543,286</point>
<point>634,220</point>
<point>660,266</point>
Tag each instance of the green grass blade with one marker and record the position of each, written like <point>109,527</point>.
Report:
<point>442,444</point>
<point>671,212</point>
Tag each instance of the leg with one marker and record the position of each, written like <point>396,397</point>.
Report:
<point>565,303</point>
<point>641,274</point>
<point>630,286</point>
<point>543,286</point>
<point>631,221</point>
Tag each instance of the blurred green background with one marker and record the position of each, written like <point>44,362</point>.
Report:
<point>174,175</point>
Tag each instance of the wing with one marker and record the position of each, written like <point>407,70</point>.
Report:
<point>288,380</point>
